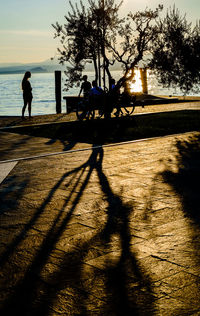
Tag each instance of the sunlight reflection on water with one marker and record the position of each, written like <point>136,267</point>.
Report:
<point>43,85</point>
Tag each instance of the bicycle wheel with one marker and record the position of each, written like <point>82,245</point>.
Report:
<point>125,110</point>
<point>90,114</point>
<point>129,109</point>
<point>81,111</point>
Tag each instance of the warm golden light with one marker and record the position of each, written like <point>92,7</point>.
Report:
<point>136,86</point>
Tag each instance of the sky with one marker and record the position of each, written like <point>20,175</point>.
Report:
<point>26,34</point>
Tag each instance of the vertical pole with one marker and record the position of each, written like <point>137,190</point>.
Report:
<point>145,81</point>
<point>104,70</point>
<point>58,90</point>
<point>143,75</point>
<point>99,48</point>
<point>99,56</point>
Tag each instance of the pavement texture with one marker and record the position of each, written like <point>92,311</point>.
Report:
<point>105,231</point>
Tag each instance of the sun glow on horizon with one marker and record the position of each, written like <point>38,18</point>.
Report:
<point>136,85</point>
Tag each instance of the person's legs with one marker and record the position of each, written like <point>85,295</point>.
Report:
<point>29,108</point>
<point>24,108</point>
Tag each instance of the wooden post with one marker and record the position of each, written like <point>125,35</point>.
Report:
<point>143,75</point>
<point>58,90</point>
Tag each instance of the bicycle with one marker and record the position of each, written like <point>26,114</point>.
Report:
<point>124,104</point>
<point>85,110</point>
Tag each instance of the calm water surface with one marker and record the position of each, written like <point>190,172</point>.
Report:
<point>43,85</point>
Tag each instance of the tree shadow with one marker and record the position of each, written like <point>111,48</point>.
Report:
<point>76,285</point>
<point>23,148</point>
<point>185,181</point>
<point>6,202</point>
<point>66,145</point>
<point>10,148</point>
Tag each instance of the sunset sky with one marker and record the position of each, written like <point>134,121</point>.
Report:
<point>26,34</point>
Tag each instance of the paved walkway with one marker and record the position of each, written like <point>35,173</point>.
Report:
<point>109,231</point>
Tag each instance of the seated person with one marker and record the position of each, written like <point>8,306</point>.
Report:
<point>95,90</point>
<point>112,84</point>
<point>95,93</point>
<point>114,95</point>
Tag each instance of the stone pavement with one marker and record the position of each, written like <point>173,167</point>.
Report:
<point>107,231</point>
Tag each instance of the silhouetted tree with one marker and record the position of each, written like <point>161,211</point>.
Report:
<point>135,40</point>
<point>97,33</point>
<point>83,37</point>
<point>99,30</point>
<point>176,52</point>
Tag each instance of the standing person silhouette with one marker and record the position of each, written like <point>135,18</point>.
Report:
<point>85,87</point>
<point>27,93</point>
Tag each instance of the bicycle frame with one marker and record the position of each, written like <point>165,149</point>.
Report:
<point>105,104</point>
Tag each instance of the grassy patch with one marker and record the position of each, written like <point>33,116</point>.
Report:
<point>118,129</point>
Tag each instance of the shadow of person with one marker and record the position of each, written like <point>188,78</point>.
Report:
<point>74,285</point>
<point>126,283</point>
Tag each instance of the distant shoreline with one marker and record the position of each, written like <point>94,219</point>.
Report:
<point>22,71</point>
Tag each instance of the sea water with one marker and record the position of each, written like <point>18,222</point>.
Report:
<point>11,95</point>
<point>43,89</point>
<point>43,84</point>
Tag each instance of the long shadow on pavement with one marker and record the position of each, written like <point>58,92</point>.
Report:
<point>72,285</point>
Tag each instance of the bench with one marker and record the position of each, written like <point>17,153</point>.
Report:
<point>71,103</point>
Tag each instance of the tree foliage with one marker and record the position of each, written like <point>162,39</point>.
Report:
<point>96,34</point>
<point>176,53</point>
<point>98,29</point>
<point>136,38</point>
<point>84,36</point>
